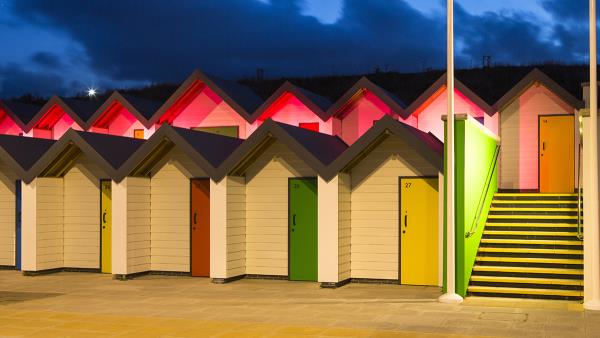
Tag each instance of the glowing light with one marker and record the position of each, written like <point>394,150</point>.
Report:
<point>91,92</point>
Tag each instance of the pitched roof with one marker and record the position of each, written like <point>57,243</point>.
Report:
<point>316,149</point>
<point>21,113</point>
<point>241,98</point>
<point>537,76</point>
<point>207,150</point>
<point>356,91</point>
<point>142,109</point>
<point>20,153</point>
<point>436,89</point>
<point>108,151</point>
<point>427,145</point>
<point>316,103</point>
<point>78,110</point>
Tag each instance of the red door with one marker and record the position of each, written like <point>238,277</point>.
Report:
<point>200,222</point>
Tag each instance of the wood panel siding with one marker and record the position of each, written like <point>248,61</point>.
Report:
<point>49,227</point>
<point>519,136</point>
<point>138,224</point>
<point>7,215</point>
<point>344,226</point>
<point>374,200</point>
<point>82,214</point>
<point>267,209</point>
<point>236,226</point>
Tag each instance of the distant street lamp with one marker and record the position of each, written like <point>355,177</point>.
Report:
<point>450,296</point>
<point>91,92</point>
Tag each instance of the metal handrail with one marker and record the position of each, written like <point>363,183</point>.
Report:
<point>488,182</point>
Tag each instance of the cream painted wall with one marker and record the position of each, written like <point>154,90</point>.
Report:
<point>328,226</point>
<point>375,204</point>
<point>236,226</point>
<point>49,223</point>
<point>344,232</point>
<point>138,224</point>
<point>82,214</point>
<point>267,209</point>
<point>29,226</point>
<point>7,215</point>
<point>519,136</point>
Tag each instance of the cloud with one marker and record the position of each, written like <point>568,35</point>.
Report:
<point>46,60</point>
<point>129,41</point>
<point>16,81</point>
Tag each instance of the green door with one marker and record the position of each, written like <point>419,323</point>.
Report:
<point>303,229</point>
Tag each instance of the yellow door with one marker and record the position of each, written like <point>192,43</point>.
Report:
<point>419,231</point>
<point>557,154</point>
<point>106,229</point>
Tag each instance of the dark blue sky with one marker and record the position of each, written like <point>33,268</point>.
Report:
<point>65,46</point>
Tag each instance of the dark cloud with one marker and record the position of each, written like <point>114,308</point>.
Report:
<point>46,60</point>
<point>16,81</point>
<point>152,40</point>
<point>567,9</point>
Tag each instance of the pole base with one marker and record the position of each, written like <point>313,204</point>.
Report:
<point>592,305</point>
<point>450,298</point>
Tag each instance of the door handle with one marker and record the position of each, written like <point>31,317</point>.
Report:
<point>195,219</point>
<point>406,221</point>
<point>104,217</point>
<point>544,146</point>
<point>294,219</point>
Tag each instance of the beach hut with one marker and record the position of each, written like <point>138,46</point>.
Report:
<point>174,169</point>
<point>14,116</point>
<point>66,203</point>
<point>59,115</point>
<point>390,192</point>
<point>17,155</point>
<point>280,229</point>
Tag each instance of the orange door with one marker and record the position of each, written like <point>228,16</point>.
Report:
<point>200,222</point>
<point>557,153</point>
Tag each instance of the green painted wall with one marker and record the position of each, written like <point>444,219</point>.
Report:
<point>475,150</point>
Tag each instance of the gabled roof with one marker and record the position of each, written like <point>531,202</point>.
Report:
<point>427,145</point>
<point>314,102</point>
<point>79,111</point>
<point>21,113</point>
<point>108,151</point>
<point>438,87</point>
<point>356,91</point>
<point>316,149</point>
<point>207,150</point>
<point>241,98</point>
<point>20,153</point>
<point>537,76</point>
<point>142,109</point>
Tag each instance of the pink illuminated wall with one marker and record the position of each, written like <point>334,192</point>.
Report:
<point>359,117</point>
<point>62,125</point>
<point>124,123</point>
<point>429,117</point>
<point>207,109</point>
<point>288,109</point>
<point>519,136</point>
<point>8,126</point>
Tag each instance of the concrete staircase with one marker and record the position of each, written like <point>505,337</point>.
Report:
<point>530,249</point>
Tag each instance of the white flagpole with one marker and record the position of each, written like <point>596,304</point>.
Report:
<point>450,296</point>
<point>592,230</point>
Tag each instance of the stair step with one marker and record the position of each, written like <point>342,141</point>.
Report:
<point>529,260</point>
<point>541,201</point>
<point>530,233</point>
<point>527,280</point>
<point>533,217</point>
<point>540,225</point>
<point>528,270</point>
<point>532,194</point>
<point>525,291</point>
<point>541,209</point>
<point>530,241</point>
<point>532,250</point>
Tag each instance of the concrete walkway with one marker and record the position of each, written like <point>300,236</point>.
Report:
<point>94,305</point>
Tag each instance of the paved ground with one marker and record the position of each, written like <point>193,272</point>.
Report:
<point>94,305</point>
